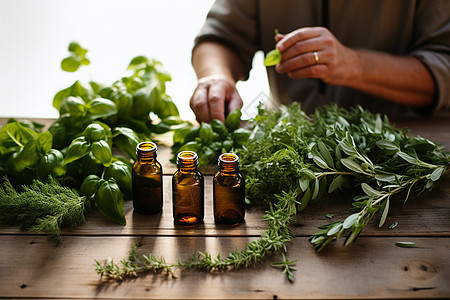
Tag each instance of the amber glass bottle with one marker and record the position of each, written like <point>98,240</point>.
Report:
<point>147,180</point>
<point>229,191</point>
<point>188,190</point>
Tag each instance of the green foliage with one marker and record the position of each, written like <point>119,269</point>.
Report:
<point>43,207</point>
<point>210,140</point>
<point>272,58</point>
<point>336,149</point>
<point>76,59</point>
<point>93,120</point>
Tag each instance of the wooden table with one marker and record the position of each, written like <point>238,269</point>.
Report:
<point>374,267</point>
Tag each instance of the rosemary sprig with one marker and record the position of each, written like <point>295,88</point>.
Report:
<point>132,266</point>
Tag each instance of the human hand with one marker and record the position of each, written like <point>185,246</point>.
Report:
<point>214,97</point>
<point>333,62</point>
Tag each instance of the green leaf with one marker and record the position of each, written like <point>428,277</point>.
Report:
<point>101,108</point>
<point>320,162</point>
<point>350,221</point>
<point>323,150</point>
<point>121,172</point>
<point>336,183</point>
<point>406,244</point>
<point>91,185</point>
<point>126,140</point>
<point>407,158</point>
<point>206,133</point>
<point>305,199</point>
<point>77,90</point>
<point>272,58</point>
<point>335,229</point>
<point>233,120</point>
<point>437,173</point>
<point>352,165</point>
<point>370,191</point>
<point>51,164</point>
<point>384,144</point>
<point>94,132</point>
<point>303,183</point>
<point>44,142</point>
<point>102,151</point>
<point>219,127</point>
<point>77,149</point>
<point>385,212</point>
<point>13,137</point>
<point>109,200</point>
<point>70,64</point>
<point>73,106</point>
<point>137,62</point>
<point>316,189</point>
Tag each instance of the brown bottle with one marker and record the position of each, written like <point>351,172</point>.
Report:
<point>188,190</point>
<point>147,180</point>
<point>229,191</point>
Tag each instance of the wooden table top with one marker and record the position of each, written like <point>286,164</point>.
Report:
<point>373,267</point>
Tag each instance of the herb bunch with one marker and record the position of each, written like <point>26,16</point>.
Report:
<point>44,207</point>
<point>336,149</point>
<point>93,120</point>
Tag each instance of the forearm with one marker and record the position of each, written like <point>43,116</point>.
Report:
<point>404,80</point>
<point>215,59</point>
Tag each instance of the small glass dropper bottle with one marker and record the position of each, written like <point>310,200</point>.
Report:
<point>229,191</point>
<point>147,180</point>
<point>188,190</point>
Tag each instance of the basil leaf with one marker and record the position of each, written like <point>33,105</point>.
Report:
<point>70,64</point>
<point>109,200</point>
<point>101,108</point>
<point>121,172</point>
<point>90,185</point>
<point>102,151</point>
<point>272,58</point>
<point>94,132</point>
<point>51,164</point>
<point>233,120</point>
<point>73,106</point>
<point>77,149</point>
<point>206,133</point>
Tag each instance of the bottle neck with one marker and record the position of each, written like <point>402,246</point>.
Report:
<point>187,161</point>
<point>146,152</point>
<point>228,164</point>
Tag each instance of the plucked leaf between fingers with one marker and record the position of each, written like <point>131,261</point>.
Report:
<point>272,58</point>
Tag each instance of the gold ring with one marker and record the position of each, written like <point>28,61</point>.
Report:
<point>316,57</point>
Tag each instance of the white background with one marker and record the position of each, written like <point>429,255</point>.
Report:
<point>35,34</point>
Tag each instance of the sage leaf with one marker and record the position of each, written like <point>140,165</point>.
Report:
<point>385,213</point>
<point>350,220</point>
<point>437,173</point>
<point>406,244</point>
<point>352,165</point>
<point>320,162</point>
<point>323,150</point>
<point>335,229</point>
<point>383,144</point>
<point>370,191</point>
<point>336,183</point>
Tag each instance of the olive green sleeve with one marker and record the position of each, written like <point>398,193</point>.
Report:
<point>233,23</point>
<point>432,46</point>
